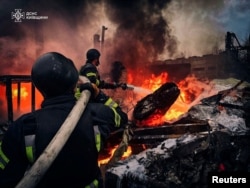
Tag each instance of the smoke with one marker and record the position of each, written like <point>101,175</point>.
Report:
<point>193,24</point>
<point>117,69</point>
<point>69,30</point>
<point>142,33</point>
<point>138,33</point>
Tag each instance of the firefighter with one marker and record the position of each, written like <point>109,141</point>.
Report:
<point>91,72</point>
<point>56,77</point>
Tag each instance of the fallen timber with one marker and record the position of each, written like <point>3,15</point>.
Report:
<point>155,134</point>
<point>152,136</point>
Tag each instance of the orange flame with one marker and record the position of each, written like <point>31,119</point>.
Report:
<point>111,153</point>
<point>155,81</point>
<point>25,98</point>
<point>189,92</point>
<point>23,93</point>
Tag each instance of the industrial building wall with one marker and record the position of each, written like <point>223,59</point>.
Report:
<point>208,66</point>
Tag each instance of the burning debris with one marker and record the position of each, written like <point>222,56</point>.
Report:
<point>212,137</point>
<point>156,103</point>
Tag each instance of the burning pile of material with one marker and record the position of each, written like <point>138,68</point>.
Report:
<point>183,162</point>
<point>187,160</point>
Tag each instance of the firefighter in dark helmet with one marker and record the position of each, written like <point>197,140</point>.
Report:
<point>56,77</point>
<point>89,69</point>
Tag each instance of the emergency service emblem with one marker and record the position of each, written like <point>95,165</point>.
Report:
<point>18,15</point>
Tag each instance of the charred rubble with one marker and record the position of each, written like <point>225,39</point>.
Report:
<point>212,137</point>
<point>183,162</point>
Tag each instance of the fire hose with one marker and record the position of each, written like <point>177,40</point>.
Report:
<point>115,85</point>
<point>42,164</point>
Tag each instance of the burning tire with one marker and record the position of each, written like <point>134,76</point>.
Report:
<point>160,100</point>
<point>144,107</point>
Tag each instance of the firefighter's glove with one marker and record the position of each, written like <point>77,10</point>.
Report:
<point>102,84</point>
<point>94,90</point>
<point>101,97</point>
<point>123,86</point>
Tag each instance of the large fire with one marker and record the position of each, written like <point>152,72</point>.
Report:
<point>25,98</point>
<point>21,100</point>
<point>190,90</point>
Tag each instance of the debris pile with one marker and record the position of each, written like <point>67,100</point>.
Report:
<point>183,162</point>
<point>187,160</point>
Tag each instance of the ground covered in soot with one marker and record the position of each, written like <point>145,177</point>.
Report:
<point>188,160</point>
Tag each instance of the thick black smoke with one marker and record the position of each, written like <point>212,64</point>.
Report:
<point>142,32</point>
<point>117,69</point>
<point>141,35</point>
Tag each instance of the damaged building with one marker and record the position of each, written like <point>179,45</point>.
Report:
<point>232,62</point>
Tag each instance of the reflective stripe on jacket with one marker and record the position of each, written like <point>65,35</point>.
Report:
<point>30,152</point>
<point>30,147</point>
<point>93,184</point>
<point>90,71</point>
<point>113,105</point>
<point>3,158</point>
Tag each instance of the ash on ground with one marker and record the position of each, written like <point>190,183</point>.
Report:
<point>186,161</point>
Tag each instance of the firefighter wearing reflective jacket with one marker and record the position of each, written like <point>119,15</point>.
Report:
<point>55,76</point>
<point>90,71</point>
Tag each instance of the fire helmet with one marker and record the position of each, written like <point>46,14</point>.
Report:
<point>93,54</point>
<point>53,74</point>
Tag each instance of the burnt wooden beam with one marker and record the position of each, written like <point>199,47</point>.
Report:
<point>154,135</point>
<point>173,129</point>
<point>8,83</point>
<point>33,97</point>
<point>15,78</point>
